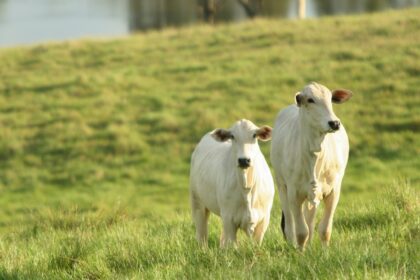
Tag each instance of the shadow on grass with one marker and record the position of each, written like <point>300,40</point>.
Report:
<point>387,154</point>
<point>40,89</point>
<point>398,127</point>
<point>365,221</point>
<point>15,275</point>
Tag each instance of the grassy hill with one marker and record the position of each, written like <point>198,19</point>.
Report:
<point>96,136</point>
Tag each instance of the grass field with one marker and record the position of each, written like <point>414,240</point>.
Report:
<point>96,136</point>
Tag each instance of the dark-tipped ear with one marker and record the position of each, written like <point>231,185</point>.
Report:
<point>298,99</point>
<point>341,95</point>
<point>221,135</point>
<point>264,133</point>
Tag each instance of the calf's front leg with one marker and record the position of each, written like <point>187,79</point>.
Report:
<point>325,226</point>
<point>229,233</point>
<point>260,230</point>
<point>310,211</point>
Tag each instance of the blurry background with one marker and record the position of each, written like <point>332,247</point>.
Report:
<point>31,21</point>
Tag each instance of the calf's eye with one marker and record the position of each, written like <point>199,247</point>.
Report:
<point>310,100</point>
<point>254,135</point>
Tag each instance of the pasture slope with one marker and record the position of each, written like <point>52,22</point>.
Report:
<point>96,136</point>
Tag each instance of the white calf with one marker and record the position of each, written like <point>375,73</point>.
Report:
<point>230,177</point>
<point>309,155</point>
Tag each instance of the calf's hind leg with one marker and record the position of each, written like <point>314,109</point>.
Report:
<point>287,223</point>
<point>296,205</point>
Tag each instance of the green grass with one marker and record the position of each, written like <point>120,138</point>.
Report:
<point>96,136</point>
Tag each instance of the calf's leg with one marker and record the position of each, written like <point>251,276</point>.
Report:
<point>310,211</point>
<point>302,232</point>
<point>287,224</point>
<point>260,230</point>
<point>229,233</point>
<point>325,226</point>
<point>200,216</point>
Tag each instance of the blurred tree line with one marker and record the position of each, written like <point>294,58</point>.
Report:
<point>210,7</point>
<point>145,14</point>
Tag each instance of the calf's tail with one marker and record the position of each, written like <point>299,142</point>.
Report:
<point>283,224</point>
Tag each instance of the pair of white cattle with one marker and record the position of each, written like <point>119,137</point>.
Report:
<point>230,177</point>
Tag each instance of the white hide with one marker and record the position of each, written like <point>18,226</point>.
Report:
<point>241,197</point>
<point>309,161</point>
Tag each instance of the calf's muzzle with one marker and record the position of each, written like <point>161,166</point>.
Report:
<point>334,125</point>
<point>244,162</point>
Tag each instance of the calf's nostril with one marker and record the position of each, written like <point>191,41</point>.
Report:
<point>335,125</point>
<point>244,162</point>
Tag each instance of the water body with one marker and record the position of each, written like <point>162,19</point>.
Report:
<point>35,21</point>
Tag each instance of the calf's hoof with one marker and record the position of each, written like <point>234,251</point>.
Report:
<point>325,237</point>
<point>301,240</point>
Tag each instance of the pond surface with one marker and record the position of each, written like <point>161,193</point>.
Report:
<point>34,21</point>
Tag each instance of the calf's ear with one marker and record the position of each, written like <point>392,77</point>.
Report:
<point>341,95</point>
<point>221,135</point>
<point>298,99</point>
<point>264,133</point>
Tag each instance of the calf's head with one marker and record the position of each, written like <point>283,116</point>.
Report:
<point>244,136</point>
<point>315,103</point>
